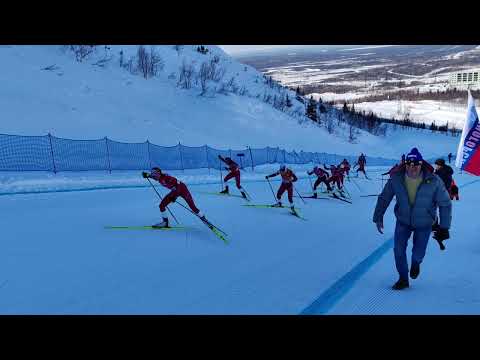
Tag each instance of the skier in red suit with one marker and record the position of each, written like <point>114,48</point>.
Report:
<point>336,177</point>
<point>322,176</point>
<point>177,189</point>
<point>362,161</point>
<point>234,173</point>
<point>288,178</point>
<point>346,165</point>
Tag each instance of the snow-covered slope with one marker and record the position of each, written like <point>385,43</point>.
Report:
<point>81,100</point>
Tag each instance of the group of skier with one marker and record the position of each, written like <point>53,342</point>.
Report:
<point>179,189</point>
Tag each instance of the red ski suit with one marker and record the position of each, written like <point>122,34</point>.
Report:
<point>322,176</point>
<point>361,164</point>
<point>453,191</point>
<point>177,189</point>
<point>346,165</point>
<point>288,178</point>
<point>234,172</point>
<point>337,176</point>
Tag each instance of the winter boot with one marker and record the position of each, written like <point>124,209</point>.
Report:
<point>314,195</point>
<point>163,224</point>
<point>414,270</point>
<point>224,191</point>
<point>278,204</point>
<point>401,284</point>
<point>440,243</point>
<point>244,195</point>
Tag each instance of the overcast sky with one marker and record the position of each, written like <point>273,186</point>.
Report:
<point>239,49</point>
<point>236,49</point>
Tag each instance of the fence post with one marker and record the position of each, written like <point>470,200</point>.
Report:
<point>51,151</point>
<point>108,155</point>
<point>251,157</point>
<point>149,155</point>
<point>181,157</point>
<point>208,162</point>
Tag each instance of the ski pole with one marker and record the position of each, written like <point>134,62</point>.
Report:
<point>221,176</point>
<point>348,192</point>
<point>357,185</point>
<point>201,218</point>
<point>162,200</point>
<point>272,190</point>
<point>300,195</point>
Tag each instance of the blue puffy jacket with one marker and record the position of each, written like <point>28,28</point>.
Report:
<point>431,194</point>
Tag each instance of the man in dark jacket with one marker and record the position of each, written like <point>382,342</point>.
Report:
<point>445,172</point>
<point>418,193</point>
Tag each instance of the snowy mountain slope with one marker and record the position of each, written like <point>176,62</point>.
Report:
<point>85,101</point>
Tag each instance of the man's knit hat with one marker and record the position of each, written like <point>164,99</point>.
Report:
<point>414,155</point>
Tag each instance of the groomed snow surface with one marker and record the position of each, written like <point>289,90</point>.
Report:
<point>57,257</point>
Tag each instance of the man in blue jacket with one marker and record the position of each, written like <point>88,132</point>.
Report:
<point>418,193</point>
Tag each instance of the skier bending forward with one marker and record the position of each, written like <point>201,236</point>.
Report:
<point>234,173</point>
<point>322,176</point>
<point>177,189</point>
<point>288,178</point>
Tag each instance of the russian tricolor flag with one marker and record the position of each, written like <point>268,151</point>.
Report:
<point>468,153</point>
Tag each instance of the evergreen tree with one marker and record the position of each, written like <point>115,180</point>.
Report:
<point>288,102</point>
<point>311,111</point>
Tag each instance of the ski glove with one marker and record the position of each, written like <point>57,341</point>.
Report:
<point>266,177</point>
<point>379,226</point>
<point>145,175</point>
<point>441,234</point>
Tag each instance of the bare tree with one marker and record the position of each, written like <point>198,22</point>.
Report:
<point>82,51</point>
<point>142,61</point>
<point>203,76</point>
<point>178,48</point>
<point>243,91</point>
<point>156,63</point>
<point>148,63</point>
<point>186,75</point>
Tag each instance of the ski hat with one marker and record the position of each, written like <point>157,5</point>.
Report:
<point>440,162</point>
<point>156,169</point>
<point>414,155</point>
<point>282,167</point>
